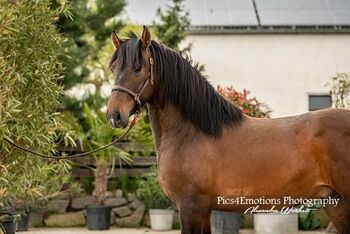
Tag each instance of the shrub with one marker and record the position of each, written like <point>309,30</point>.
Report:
<point>29,70</point>
<point>249,106</point>
<point>340,90</point>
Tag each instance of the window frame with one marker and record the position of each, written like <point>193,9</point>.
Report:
<point>310,95</point>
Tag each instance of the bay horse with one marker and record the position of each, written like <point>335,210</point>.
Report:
<point>206,147</point>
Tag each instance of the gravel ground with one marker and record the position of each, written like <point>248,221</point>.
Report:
<point>84,230</point>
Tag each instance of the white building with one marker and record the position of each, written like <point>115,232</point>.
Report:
<point>283,51</point>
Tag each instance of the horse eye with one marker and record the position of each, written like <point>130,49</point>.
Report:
<point>137,70</point>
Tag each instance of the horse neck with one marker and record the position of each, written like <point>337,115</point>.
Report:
<point>168,126</point>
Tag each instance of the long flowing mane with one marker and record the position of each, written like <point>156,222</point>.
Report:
<point>181,84</point>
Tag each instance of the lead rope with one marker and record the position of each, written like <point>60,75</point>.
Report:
<point>132,124</point>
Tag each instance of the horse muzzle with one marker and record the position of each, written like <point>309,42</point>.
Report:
<point>116,120</point>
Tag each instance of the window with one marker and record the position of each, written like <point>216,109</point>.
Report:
<point>318,102</point>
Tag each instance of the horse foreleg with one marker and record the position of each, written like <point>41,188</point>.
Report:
<point>207,224</point>
<point>340,217</point>
<point>194,217</point>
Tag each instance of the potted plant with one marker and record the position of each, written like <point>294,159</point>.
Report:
<point>8,221</point>
<point>23,221</point>
<point>37,186</point>
<point>161,209</point>
<point>98,133</point>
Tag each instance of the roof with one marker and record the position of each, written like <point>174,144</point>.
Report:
<point>304,12</point>
<point>252,15</point>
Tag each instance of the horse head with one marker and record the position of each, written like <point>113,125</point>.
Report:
<point>132,68</point>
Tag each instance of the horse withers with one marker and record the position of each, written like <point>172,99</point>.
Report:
<point>207,148</point>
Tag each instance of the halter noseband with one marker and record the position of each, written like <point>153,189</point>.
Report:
<point>137,95</point>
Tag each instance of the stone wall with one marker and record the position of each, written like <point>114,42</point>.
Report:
<point>68,212</point>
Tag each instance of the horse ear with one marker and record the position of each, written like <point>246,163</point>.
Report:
<point>146,38</point>
<point>116,40</point>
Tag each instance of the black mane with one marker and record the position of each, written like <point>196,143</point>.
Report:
<point>181,84</point>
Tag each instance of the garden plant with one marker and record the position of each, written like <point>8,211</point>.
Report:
<point>30,70</point>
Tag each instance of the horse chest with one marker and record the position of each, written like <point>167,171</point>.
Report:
<point>166,176</point>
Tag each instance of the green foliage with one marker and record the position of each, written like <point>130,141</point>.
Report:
<point>250,106</point>
<point>174,25</point>
<point>87,182</point>
<point>308,221</point>
<point>100,133</point>
<point>113,184</point>
<point>340,90</point>
<point>30,48</point>
<point>94,132</point>
<point>141,135</point>
<point>124,183</point>
<point>150,192</point>
<point>88,29</point>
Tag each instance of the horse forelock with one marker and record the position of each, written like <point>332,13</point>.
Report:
<point>128,52</point>
<point>181,84</point>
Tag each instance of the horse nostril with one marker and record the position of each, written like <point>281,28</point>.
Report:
<point>116,116</point>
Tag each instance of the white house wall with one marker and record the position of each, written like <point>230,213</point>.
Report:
<point>279,69</point>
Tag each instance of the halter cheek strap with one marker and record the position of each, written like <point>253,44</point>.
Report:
<point>137,95</point>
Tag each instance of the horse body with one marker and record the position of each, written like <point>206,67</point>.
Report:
<point>207,148</point>
<point>297,156</point>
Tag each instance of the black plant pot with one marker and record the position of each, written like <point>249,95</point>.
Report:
<point>98,217</point>
<point>9,224</point>
<point>23,222</point>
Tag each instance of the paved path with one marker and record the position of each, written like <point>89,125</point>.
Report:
<point>115,230</point>
<point>80,230</point>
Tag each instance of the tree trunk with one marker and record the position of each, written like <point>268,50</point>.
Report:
<point>101,180</point>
